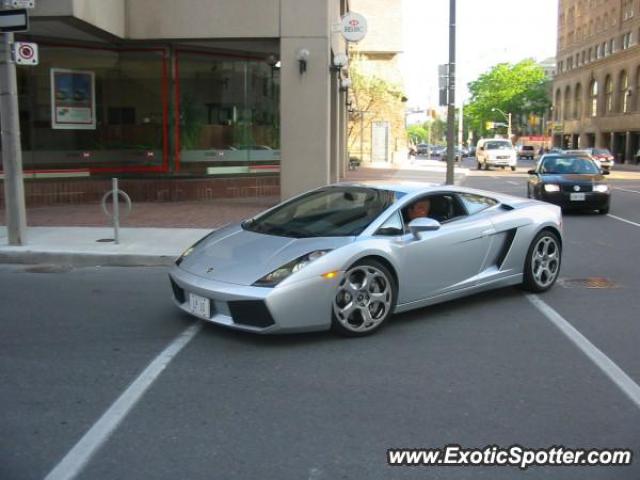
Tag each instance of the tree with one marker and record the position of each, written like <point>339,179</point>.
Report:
<point>418,133</point>
<point>374,97</point>
<point>521,89</point>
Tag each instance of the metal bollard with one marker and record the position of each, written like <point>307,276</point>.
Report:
<point>115,193</point>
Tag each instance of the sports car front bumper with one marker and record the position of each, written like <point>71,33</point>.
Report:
<point>303,306</point>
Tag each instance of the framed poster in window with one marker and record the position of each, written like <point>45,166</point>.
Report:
<point>73,100</point>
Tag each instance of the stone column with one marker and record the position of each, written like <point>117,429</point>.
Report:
<point>305,103</point>
<point>628,151</point>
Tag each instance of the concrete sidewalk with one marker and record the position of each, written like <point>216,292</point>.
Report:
<point>82,246</point>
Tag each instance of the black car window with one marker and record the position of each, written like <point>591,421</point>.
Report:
<point>331,212</point>
<point>498,146</point>
<point>569,166</point>
<point>476,203</point>
<point>443,207</point>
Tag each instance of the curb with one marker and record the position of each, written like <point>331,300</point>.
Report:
<point>85,259</point>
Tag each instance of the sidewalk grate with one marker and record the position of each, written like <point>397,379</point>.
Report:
<point>589,282</point>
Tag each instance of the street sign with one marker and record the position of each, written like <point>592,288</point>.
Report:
<point>443,97</point>
<point>354,27</point>
<point>18,4</point>
<point>14,21</point>
<point>25,53</point>
<point>443,75</point>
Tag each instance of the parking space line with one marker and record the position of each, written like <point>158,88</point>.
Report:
<point>74,461</point>
<point>608,366</point>
<point>626,190</point>
<point>624,220</point>
<point>512,182</point>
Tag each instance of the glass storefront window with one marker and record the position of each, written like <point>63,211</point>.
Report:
<point>123,129</point>
<point>228,114</point>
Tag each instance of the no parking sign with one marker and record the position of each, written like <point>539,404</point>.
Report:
<point>25,53</point>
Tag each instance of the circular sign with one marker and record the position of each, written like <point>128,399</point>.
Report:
<point>26,52</point>
<point>354,27</point>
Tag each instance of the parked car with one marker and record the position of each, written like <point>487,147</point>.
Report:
<point>602,156</point>
<point>495,152</point>
<point>423,148</point>
<point>571,182</point>
<point>637,156</point>
<point>348,256</point>
<point>527,151</point>
<point>438,151</point>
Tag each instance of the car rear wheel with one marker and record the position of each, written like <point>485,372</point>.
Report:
<point>364,300</point>
<point>513,169</point>
<point>542,264</point>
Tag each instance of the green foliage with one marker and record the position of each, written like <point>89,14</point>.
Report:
<point>418,133</point>
<point>519,89</point>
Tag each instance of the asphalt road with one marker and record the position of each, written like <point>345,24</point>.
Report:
<point>487,370</point>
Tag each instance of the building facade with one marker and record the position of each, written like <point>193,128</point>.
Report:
<point>377,130</point>
<point>596,92</point>
<point>182,100</point>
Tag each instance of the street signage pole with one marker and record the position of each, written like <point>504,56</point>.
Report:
<point>451,113</point>
<point>16,216</point>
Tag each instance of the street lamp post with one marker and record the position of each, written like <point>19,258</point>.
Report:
<point>508,117</point>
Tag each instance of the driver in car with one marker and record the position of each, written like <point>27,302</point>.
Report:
<point>420,209</point>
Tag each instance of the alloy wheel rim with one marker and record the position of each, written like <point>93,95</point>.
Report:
<point>545,261</point>
<point>363,299</point>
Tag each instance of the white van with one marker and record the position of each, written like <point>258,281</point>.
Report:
<point>496,152</point>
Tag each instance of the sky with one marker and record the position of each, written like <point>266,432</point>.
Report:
<point>488,32</point>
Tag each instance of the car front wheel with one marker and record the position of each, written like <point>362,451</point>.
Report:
<point>364,300</point>
<point>542,265</point>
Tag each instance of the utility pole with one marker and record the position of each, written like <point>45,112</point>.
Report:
<point>16,216</point>
<point>451,113</point>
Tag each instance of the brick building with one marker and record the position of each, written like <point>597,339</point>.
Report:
<point>596,92</point>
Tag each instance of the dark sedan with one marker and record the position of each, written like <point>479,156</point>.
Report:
<point>572,182</point>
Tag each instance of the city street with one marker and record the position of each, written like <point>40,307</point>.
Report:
<point>492,369</point>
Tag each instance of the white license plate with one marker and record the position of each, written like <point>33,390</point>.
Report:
<point>199,306</point>
<point>577,197</point>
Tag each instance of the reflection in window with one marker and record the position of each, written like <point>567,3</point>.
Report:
<point>594,98</point>
<point>228,110</point>
<point>608,95</point>
<point>129,109</point>
<point>624,91</point>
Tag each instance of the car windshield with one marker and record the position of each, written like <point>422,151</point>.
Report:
<point>600,151</point>
<point>498,146</point>
<point>568,165</point>
<point>331,212</point>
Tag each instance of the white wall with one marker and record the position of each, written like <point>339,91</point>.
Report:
<point>203,19</point>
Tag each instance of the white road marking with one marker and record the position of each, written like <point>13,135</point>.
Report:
<point>626,190</point>
<point>608,366</point>
<point>78,457</point>
<point>512,182</point>
<point>624,220</point>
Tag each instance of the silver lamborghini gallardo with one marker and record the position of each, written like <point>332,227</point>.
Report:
<point>348,256</point>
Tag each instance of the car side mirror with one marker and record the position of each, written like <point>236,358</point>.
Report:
<point>531,172</point>
<point>424,224</point>
<point>605,172</point>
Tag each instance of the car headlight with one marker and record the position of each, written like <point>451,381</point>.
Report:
<point>601,188</point>
<point>551,187</point>
<point>279,274</point>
